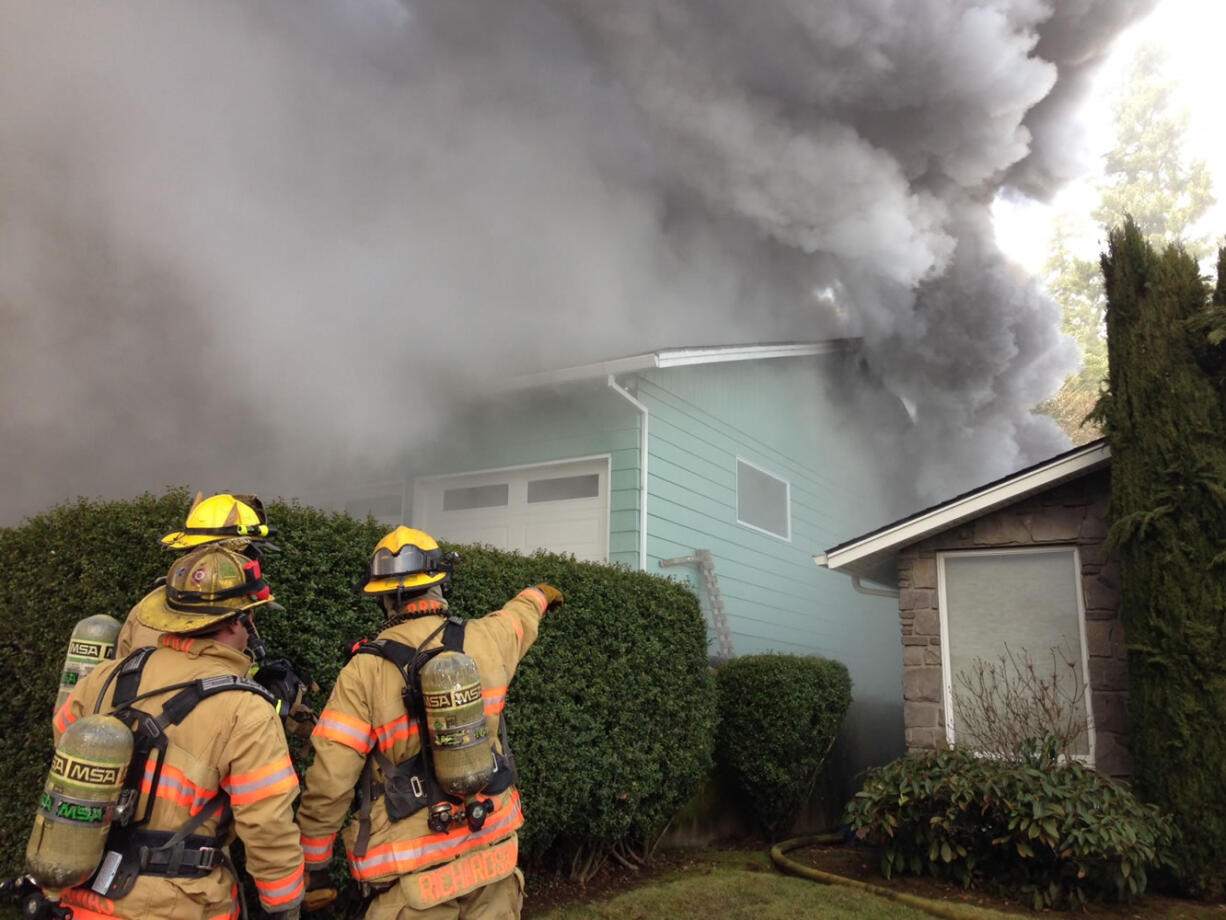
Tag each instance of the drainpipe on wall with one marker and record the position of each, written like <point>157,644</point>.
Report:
<point>642,410</point>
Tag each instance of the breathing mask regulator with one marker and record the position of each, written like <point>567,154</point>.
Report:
<point>284,681</point>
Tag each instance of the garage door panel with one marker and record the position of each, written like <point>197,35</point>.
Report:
<point>562,507</point>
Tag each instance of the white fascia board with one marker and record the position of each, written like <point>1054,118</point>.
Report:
<point>680,357</point>
<point>673,357</point>
<point>868,554</point>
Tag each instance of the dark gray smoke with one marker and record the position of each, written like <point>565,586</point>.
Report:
<point>250,245</point>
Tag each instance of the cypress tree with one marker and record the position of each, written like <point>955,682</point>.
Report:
<point>1163,417</point>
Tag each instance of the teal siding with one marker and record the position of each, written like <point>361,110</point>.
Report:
<point>784,416</point>
<point>780,416</point>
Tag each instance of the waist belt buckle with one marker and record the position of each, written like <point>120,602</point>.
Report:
<point>207,857</point>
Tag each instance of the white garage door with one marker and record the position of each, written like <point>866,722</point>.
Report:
<point>560,507</point>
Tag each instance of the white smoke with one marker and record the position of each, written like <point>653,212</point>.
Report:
<point>245,245</point>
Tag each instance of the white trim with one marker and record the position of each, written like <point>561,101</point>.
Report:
<point>787,498</point>
<point>673,357</point>
<point>511,469</point>
<point>943,614</point>
<point>973,505</point>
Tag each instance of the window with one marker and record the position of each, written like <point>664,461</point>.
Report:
<point>762,500</point>
<point>563,488</point>
<point>1017,605</point>
<point>470,497</point>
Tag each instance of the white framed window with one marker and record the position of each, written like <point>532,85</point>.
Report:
<point>1016,604</point>
<point>763,500</point>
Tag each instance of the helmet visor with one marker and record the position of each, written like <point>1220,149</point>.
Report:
<point>410,560</point>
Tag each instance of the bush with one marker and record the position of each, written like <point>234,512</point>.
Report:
<point>779,715</point>
<point>1049,833</point>
<point>611,715</point>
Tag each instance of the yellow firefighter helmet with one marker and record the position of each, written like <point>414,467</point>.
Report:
<point>205,588</point>
<point>221,517</point>
<point>406,560</point>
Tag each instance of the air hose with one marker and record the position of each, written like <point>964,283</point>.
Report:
<point>935,908</point>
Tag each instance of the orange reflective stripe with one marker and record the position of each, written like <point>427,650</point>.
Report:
<point>495,698</point>
<point>88,905</point>
<point>400,728</point>
<point>178,643</point>
<point>317,850</point>
<point>234,911</point>
<point>282,892</point>
<point>64,717</point>
<point>174,786</point>
<point>268,780</point>
<point>404,856</point>
<point>519,630</point>
<point>345,729</point>
<point>535,593</point>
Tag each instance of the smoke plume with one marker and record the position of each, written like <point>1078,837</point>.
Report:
<point>250,245</point>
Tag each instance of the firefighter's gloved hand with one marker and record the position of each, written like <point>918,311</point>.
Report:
<point>280,679</point>
<point>319,890</point>
<point>553,597</point>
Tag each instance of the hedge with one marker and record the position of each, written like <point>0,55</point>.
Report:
<point>779,715</point>
<point>611,715</point>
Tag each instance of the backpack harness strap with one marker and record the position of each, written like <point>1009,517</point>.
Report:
<point>411,785</point>
<point>132,850</point>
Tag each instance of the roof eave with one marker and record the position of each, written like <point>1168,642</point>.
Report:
<point>875,556</point>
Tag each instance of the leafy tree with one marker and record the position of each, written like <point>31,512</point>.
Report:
<point>1148,177</point>
<point>1163,417</point>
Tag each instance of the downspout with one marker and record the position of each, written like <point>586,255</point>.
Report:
<point>642,410</point>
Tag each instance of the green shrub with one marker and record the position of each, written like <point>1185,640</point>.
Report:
<point>779,715</point>
<point>611,715</point>
<point>1050,833</point>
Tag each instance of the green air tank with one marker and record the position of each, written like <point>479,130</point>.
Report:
<point>455,716</point>
<point>75,808</point>
<point>91,643</point>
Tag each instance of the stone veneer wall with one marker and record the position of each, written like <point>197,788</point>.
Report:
<point>1074,513</point>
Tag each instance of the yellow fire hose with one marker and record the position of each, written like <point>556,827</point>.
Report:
<point>935,908</point>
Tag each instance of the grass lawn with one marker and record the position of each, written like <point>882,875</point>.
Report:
<point>738,885</point>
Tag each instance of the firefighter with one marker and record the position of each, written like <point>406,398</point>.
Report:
<point>217,767</point>
<point>417,852</point>
<point>238,519</point>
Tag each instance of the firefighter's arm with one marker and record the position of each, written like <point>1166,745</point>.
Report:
<point>518,622</point>
<point>75,706</point>
<point>342,739</point>
<point>262,786</point>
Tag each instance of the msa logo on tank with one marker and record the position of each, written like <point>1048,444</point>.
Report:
<point>90,773</point>
<point>450,699</point>
<point>93,650</point>
<point>81,812</point>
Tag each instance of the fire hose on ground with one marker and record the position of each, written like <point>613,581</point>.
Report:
<point>935,908</point>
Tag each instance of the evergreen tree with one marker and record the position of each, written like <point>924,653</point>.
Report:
<point>1163,417</point>
<point>1148,177</point>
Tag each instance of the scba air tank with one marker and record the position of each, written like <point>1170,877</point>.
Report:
<point>74,811</point>
<point>91,643</point>
<point>455,715</point>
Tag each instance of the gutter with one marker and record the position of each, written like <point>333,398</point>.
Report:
<point>643,416</point>
<point>823,560</point>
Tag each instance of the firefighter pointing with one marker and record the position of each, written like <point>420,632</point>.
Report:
<point>165,756</point>
<point>415,725</point>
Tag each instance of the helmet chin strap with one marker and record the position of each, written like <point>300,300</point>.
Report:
<point>255,645</point>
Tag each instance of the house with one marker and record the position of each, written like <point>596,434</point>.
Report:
<point>726,467</point>
<point>1019,564</point>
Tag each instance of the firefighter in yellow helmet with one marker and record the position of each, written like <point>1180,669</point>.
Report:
<point>216,767</point>
<point>418,849</point>
<point>239,520</point>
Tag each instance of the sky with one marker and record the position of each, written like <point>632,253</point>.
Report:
<point>1191,31</point>
<point>267,247</point>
